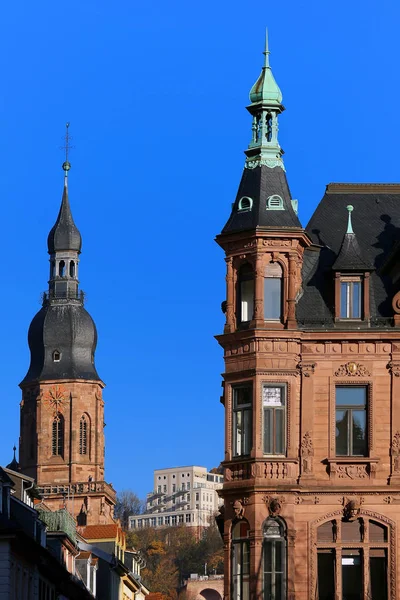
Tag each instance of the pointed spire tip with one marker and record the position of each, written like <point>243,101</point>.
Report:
<point>350,208</point>
<point>266,51</point>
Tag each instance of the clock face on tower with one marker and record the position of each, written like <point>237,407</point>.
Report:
<point>55,398</point>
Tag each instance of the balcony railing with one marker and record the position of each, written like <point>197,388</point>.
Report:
<point>62,295</point>
<point>84,487</point>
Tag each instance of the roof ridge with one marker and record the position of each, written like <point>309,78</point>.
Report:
<point>369,188</point>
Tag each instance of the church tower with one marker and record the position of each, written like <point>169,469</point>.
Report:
<point>62,409</point>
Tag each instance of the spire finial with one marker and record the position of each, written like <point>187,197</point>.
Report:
<point>66,164</point>
<point>14,449</point>
<point>266,51</point>
<point>350,208</point>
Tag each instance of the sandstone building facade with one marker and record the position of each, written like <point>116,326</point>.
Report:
<point>62,408</point>
<point>311,383</point>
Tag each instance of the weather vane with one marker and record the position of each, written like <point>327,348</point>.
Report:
<point>67,147</point>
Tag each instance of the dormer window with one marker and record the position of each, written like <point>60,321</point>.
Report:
<point>275,202</point>
<point>350,298</point>
<point>245,204</point>
<point>56,356</point>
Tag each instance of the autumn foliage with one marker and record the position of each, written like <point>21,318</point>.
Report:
<point>173,553</point>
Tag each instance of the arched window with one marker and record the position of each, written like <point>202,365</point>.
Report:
<point>240,561</point>
<point>275,202</point>
<point>245,203</point>
<point>84,435</point>
<point>274,559</point>
<point>268,122</point>
<point>273,292</point>
<point>57,436</point>
<point>361,548</point>
<point>72,269</point>
<point>61,268</point>
<point>245,293</point>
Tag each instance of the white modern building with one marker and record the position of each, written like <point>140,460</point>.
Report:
<point>181,496</point>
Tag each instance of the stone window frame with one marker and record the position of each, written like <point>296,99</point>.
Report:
<point>289,426</point>
<point>358,382</point>
<point>338,515</point>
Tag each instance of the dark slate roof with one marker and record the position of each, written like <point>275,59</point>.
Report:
<point>259,184</point>
<point>350,256</point>
<point>376,221</point>
<point>64,234</point>
<point>69,329</point>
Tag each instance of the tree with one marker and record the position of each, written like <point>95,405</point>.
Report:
<point>127,504</point>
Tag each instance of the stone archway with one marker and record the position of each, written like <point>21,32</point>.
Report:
<point>209,594</point>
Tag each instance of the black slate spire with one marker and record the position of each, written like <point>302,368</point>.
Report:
<point>64,235</point>
<point>350,257</point>
<point>62,336</point>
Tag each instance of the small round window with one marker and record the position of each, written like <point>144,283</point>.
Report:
<point>56,356</point>
<point>245,203</point>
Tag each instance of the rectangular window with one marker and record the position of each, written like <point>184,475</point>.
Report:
<point>173,520</point>
<point>351,421</point>
<point>180,519</point>
<point>246,300</point>
<point>159,489</point>
<point>188,518</point>
<point>183,487</point>
<point>173,488</point>
<point>350,299</point>
<point>188,486</point>
<point>272,298</point>
<point>326,575</point>
<point>240,570</point>
<point>274,415</point>
<point>160,521</point>
<point>274,570</point>
<point>242,420</point>
<point>167,520</point>
<point>164,489</point>
<point>197,496</point>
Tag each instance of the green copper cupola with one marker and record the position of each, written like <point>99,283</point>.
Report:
<point>266,105</point>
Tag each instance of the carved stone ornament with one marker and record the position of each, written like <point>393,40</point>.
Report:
<point>307,445</point>
<point>239,507</point>
<point>396,303</point>
<point>396,443</point>
<point>350,471</point>
<point>306,369</point>
<point>394,368</point>
<point>352,369</point>
<point>351,508</point>
<point>274,505</point>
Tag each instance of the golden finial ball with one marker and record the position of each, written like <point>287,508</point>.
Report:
<point>66,166</point>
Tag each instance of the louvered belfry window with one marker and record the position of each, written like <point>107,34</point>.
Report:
<point>57,441</point>
<point>83,435</point>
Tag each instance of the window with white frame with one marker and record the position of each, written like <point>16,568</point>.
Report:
<point>350,298</point>
<point>274,418</point>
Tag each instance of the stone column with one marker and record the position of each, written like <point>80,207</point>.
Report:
<point>230,294</point>
<point>291,317</point>
<point>307,420</point>
<point>394,367</point>
<point>259,293</point>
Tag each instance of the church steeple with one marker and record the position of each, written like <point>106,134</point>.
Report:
<point>62,408</point>
<point>266,105</point>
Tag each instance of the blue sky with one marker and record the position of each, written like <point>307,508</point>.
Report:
<point>156,95</point>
